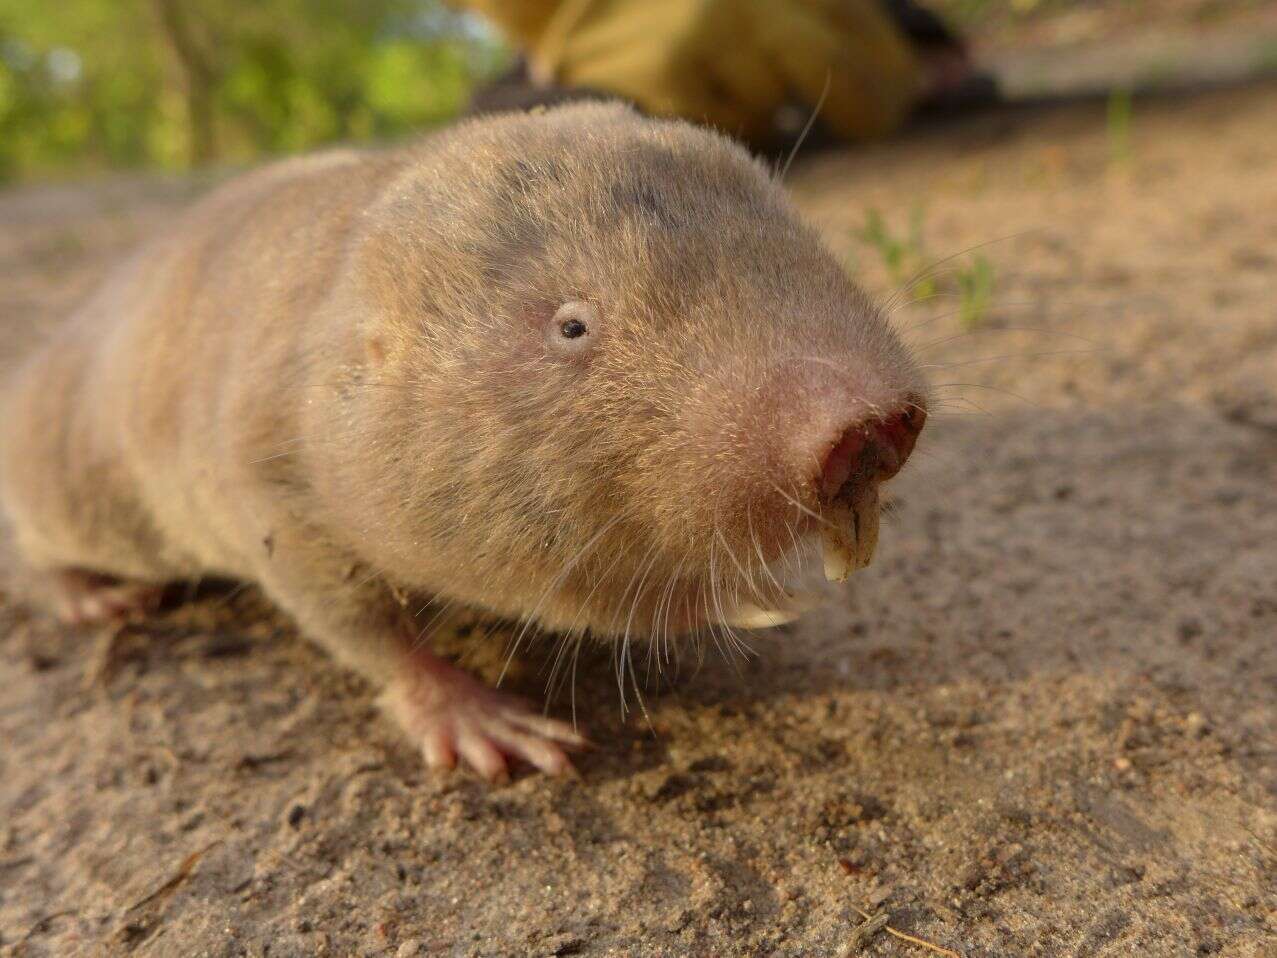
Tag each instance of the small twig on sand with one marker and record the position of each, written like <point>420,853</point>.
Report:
<point>41,926</point>
<point>183,872</point>
<point>106,657</point>
<point>862,934</point>
<point>902,936</point>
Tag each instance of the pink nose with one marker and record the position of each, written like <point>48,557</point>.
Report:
<point>871,449</point>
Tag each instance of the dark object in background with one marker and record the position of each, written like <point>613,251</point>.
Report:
<point>960,87</point>
<point>920,25</point>
<point>968,88</point>
<point>515,90</point>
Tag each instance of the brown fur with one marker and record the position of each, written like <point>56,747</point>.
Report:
<point>331,378</point>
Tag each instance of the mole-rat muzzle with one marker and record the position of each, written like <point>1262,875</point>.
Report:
<point>864,456</point>
<point>843,506</point>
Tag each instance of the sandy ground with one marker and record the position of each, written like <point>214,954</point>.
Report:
<point>1041,724</point>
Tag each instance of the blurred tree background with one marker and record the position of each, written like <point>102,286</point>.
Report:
<point>97,84</point>
<point>88,84</point>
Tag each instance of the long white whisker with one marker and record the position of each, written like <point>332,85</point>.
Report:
<point>929,270</point>
<point>555,584</point>
<point>998,359</point>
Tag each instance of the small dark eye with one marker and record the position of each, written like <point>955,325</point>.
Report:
<point>572,328</point>
<point>573,331</point>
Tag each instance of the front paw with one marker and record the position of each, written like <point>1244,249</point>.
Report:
<point>452,715</point>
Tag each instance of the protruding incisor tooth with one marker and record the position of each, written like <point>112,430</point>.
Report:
<point>839,560</point>
<point>851,534</point>
<point>866,511</point>
<point>749,616</point>
<point>837,548</point>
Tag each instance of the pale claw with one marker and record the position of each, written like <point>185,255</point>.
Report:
<point>550,728</point>
<point>541,751</point>
<point>438,751</point>
<point>481,753</point>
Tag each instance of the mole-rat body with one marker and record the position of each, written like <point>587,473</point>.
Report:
<point>577,368</point>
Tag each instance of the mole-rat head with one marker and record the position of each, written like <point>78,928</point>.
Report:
<point>623,379</point>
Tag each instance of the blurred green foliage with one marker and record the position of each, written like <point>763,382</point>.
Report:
<point>176,83</point>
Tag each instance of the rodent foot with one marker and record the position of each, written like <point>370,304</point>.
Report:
<point>80,597</point>
<point>451,714</point>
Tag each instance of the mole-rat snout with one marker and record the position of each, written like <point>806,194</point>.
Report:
<point>835,420</point>
<point>813,443</point>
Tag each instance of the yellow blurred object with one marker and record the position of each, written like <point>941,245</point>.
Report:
<point>729,63</point>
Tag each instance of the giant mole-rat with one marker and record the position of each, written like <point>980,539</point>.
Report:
<point>578,368</point>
